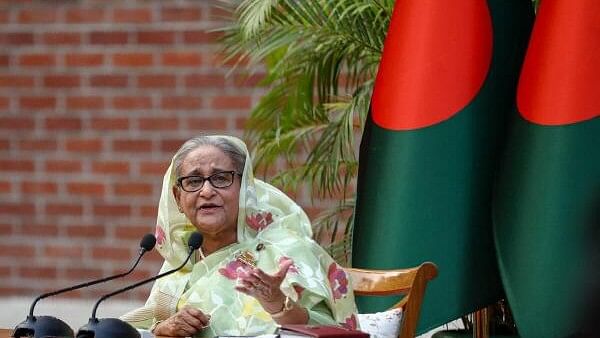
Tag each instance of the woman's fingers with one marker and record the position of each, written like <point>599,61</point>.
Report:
<point>186,322</point>
<point>194,317</point>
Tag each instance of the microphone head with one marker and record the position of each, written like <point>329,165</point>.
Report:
<point>148,242</point>
<point>43,326</point>
<point>195,241</point>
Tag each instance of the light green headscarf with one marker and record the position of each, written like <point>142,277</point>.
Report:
<point>270,227</point>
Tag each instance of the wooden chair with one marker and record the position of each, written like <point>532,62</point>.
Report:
<point>409,282</point>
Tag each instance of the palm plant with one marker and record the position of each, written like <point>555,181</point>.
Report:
<point>321,58</point>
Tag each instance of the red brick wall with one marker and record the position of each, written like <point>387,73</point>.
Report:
<point>94,98</point>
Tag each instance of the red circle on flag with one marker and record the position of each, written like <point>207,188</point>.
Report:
<point>435,60</point>
<point>560,81</point>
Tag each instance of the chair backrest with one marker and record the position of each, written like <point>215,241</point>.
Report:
<point>409,282</point>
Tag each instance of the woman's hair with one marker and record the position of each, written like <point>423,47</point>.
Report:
<point>237,156</point>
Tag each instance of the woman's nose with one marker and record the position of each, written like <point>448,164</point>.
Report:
<point>207,189</point>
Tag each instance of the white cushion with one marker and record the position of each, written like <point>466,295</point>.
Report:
<point>381,324</point>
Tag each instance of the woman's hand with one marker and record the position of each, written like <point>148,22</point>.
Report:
<point>264,287</point>
<point>184,323</point>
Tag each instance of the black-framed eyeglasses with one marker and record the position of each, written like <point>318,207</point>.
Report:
<point>193,183</point>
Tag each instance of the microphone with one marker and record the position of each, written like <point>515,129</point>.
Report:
<point>48,326</point>
<point>113,327</point>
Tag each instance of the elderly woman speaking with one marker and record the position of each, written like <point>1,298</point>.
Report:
<point>258,266</point>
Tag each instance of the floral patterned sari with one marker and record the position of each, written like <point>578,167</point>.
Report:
<point>271,227</point>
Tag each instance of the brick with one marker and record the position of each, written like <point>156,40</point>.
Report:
<point>132,59</point>
<point>201,37</point>
<point>241,123</point>
<point>77,273</point>
<point>86,188</point>
<point>37,144</point>
<point>132,145</point>
<point>17,165</point>
<point>156,37</point>
<point>231,102</point>
<point>244,80</point>
<point>132,231</point>
<point>111,210</point>
<point>206,123</point>
<point>37,272</point>
<point>108,81</point>
<point>28,16</point>
<point>205,80</point>
<point>156,81</point>
<point>182,59</point>
<point>132,102</point>
<point>4,102</point>
<point>131,189</point>
<point>37,102</point>
<point>110,123</point>
<point>4,16</point>
<point>171,145</point>
<point>37,60</point>
<point>61,38</point>
<point>84,59</point>
<point>181,102</point>
<point>16,208</point>
<point>16,250</point>
<point>220,60</point>
<point>86,230</point>
<point>17,123</point>
<point>80,15</point>
<point>38,187</point>
<point>63,166</point>
<point>4,60</point>
<point>41,230</point>
<point>149,210</point>
<point>153,168</point>
<point>111,253</point>
<point>109,38</point>
<point>16,81</point>
<point>85,102</point>
<point>4,144</point>
<point>132,15</point>
<point>84,145</point>
<point>180,14</point>
<point>5,229</point>
<point>16,38</point>
<point>62,81</point>
<point>64,209</point>
<point>110,167</point>
<point>158,123</point>
<point>63,123</point>
<point>63,251</point>
<point>5,187</point>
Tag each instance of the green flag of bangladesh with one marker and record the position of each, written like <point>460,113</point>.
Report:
<point>446,80</point>
<point>549,184</point>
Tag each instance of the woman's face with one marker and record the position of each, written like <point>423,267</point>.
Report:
<point>212,210</point>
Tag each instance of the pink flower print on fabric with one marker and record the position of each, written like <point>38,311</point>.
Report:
<point>350,322</point>
<point>337,280</point>
<point>232,269</point>
<point>259,220</point>
<point>293,268</point>
<point>298,289</point>
<point>159,233</point>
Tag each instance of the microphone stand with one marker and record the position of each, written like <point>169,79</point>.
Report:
<point>49,326</point>
<point>113,327</point>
